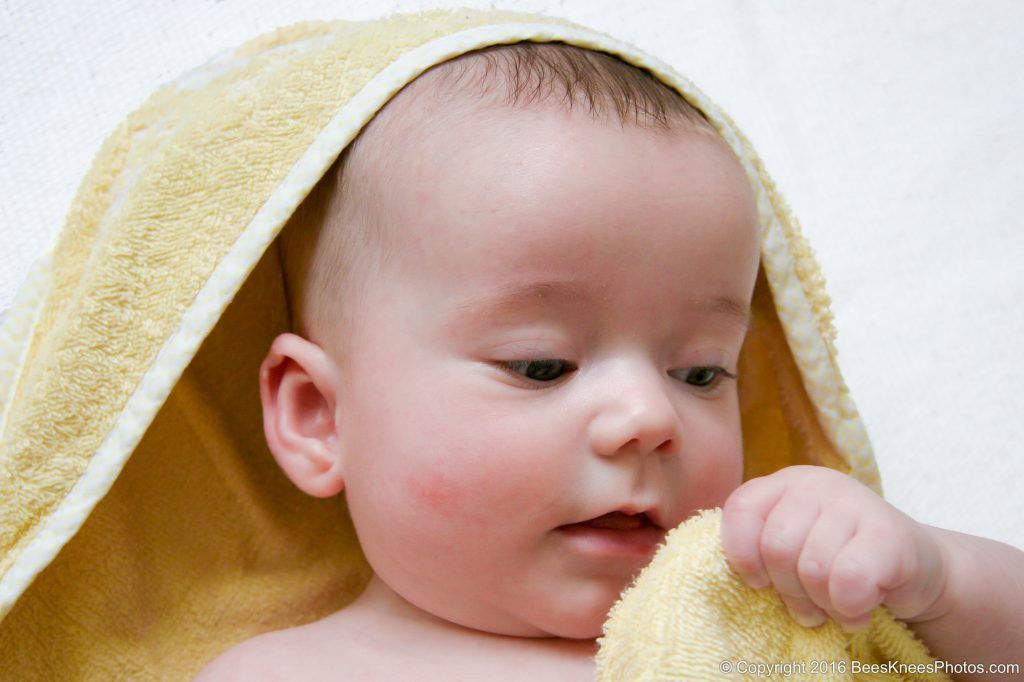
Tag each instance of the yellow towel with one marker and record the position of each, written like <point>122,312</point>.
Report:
<point>144,526</point>
<point>689,616</point>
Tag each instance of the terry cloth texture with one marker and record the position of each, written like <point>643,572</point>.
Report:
<point>688,616</point>
<point>144,525</point>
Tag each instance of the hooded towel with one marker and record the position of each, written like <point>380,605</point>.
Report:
<point>145,526</point>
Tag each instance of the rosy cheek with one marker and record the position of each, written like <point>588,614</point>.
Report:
<point>437,493</point>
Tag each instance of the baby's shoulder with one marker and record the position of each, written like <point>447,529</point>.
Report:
<point>284,655</point>
<point>353,648</point>
<point>237,663</point>
<point>257,658</point>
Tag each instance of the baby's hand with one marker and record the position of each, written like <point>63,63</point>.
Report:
<point>831,547</point>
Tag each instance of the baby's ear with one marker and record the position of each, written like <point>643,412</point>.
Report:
<point>298,389</point>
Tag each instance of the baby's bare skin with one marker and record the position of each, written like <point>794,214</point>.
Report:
<point>397,648</point>
<point>381,637</point>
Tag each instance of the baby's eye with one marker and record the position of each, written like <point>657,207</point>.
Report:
<point>549,369</point>
<point>706,377</point>
<point>537,370</point>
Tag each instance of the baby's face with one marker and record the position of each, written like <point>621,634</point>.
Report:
<point>459,471</point>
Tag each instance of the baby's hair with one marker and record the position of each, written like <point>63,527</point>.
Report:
<point>339,236</point>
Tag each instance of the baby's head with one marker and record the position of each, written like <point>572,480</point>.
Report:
<point>520,298</point>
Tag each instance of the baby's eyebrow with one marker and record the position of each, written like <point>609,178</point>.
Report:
<point>516,295</point>
<point>563,292</point>
<point>725,305</point>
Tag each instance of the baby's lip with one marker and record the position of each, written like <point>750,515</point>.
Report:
<point>626,517</point>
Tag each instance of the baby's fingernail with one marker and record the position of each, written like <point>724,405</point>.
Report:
<point>811,620</point>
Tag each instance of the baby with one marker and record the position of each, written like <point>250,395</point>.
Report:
<point>524,311</point>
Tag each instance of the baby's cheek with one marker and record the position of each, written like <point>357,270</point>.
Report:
<point>711,471</point>
<point>467,499</point>
<point>436,492</point>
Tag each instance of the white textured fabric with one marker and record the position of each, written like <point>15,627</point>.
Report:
<point>890,127</point>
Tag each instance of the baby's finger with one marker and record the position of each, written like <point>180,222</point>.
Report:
<point>782,540</point>
<point>830,533</point>
<point>743,516</point>
<point>804,611</point>
<point>868,562</point>
<point>926,574</point>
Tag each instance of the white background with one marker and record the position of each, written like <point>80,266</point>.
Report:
<point>895,129</point>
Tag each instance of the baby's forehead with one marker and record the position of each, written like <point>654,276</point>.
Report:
<point>519,79</point>
<point>479,111</point>
<point>429,101</point>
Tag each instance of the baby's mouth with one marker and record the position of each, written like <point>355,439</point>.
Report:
<point>619,521</point>
<point>615,536</point>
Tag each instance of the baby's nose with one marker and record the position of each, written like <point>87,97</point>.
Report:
<point>636,414</point>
